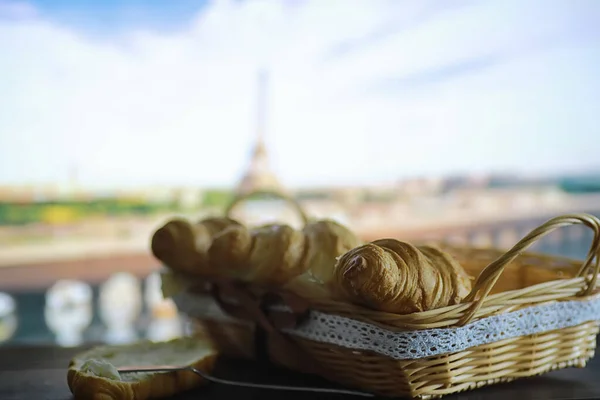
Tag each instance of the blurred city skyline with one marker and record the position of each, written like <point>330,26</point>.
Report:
<point>132,93</point>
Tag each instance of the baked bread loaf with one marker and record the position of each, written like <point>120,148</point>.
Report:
<point>183,246</point>
<point>94,375</point>
<point>397,277</point>
<point>328,240</point>
<point>269,254</point>
<point>274,254</point>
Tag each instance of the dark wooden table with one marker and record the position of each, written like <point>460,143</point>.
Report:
<point>40,373</point>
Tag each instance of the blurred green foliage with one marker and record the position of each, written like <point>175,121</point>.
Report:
<point>217,198</point>
<point>58,212</point>
<point>69,211</point>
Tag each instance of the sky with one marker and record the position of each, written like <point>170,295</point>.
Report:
<point>135,93</point>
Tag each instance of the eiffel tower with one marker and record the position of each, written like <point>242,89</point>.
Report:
<point>259,176</point>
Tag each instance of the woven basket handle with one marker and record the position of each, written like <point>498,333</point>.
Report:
<point>489,276</point>
<point>278,195</point>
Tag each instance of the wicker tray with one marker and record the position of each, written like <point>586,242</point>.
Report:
<point>538,315</point>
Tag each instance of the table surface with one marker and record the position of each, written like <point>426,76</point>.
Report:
<point>39,372</point>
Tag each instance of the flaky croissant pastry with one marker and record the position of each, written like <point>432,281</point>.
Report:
<point>397,277</point>
<point>274,254</point>
<point>183,246</point>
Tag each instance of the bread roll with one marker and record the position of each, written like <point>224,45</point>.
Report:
<point>397,277</point>
<point>94,375</point>
<point>274,254</point>
<point>270,254</point>
<point>327,241</point>
<point>229,252</point>
<point>183,246</point>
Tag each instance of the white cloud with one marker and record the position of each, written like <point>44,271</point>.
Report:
<point>152,107</point>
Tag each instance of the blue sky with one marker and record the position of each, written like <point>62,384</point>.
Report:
<point>163,92</point>
<point>110,16</point>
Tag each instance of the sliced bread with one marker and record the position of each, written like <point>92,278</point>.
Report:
<point>93,374</point>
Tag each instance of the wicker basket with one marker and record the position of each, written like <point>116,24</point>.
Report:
<point>532,281</point>
<point>236,338</point>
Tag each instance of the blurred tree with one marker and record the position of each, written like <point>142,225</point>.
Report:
<point>217,198</point>
<point>59,212</point>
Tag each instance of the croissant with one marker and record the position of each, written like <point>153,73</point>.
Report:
<point>274,254</point>
<point>184,246</point>
<point>393,276</point>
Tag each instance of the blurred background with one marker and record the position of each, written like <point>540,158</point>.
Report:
<point>466,121</point>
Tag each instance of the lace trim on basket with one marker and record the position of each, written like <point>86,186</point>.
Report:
<point>407,345</point>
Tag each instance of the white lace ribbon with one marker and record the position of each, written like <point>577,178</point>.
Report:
<point>407,345</point>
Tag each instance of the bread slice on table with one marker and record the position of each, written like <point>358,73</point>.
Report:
<point>93,374</point>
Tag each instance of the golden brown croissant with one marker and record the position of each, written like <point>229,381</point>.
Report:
<point>183,246</point>
<point>397,277</point>
<point>274,254</point>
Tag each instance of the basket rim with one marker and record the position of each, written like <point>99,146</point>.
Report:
<point>349,332</point>
<point>568,290</point>
<point>496,303</point>
<point>563,289</point>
